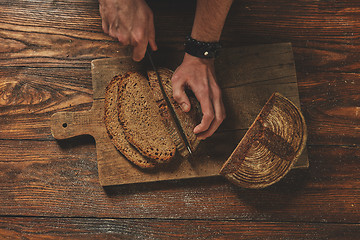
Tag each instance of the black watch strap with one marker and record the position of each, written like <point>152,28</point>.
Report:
<point>201,49</point>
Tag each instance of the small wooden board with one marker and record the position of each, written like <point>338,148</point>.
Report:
<point>247,75</point>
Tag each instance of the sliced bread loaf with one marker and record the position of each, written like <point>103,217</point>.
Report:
<point>141,119</point>
<point>165,114</point>
<point>188,120</point>
<point>115,129</point>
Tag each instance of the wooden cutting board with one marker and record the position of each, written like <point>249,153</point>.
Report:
<point>247,75</point>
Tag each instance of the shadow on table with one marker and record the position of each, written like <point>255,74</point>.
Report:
<point>146,187</point>
<point>74,142</point>
<point>277,196</point>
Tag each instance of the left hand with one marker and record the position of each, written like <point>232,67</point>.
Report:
<point>198,74</point>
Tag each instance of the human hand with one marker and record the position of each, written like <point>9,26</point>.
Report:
<point>131,22</point>
<point>199,75</point>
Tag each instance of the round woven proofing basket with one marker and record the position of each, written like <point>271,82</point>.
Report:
<point>270,147</point>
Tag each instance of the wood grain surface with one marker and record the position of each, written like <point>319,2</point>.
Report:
<point>62,181</point>
<point>49,189</point>
<point>93,228</point>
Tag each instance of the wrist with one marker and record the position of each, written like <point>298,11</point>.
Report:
<point>196,60</point>
<point>201,49</point>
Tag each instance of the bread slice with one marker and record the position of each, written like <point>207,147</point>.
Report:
<point>141,119</point>
<point>115,129</point>
<point>188,120</point>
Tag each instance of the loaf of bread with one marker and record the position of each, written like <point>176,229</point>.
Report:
<point>270,147</point>
<point>139,122</point>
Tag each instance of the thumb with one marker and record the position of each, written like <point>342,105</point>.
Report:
<point>181,98</point>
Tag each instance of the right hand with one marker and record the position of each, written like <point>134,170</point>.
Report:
<point>198,74</point>
<point>131,22</point>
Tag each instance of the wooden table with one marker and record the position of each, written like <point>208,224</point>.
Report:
<point>50,189</point>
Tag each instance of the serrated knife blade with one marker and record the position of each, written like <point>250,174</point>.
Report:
<point>171,110</point>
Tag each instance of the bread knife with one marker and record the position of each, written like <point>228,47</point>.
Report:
<point>171,110</point>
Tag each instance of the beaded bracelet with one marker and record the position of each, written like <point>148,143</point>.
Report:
<point>201,49</point>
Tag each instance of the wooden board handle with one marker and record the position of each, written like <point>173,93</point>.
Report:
<point>70,124</point>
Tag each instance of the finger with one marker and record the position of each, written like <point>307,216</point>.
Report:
<point>208,113</point>
<point>139,40</point>
<point>120,34</point>
<point>124,39</point>
<point>219,118</point>
<point>179,94</point>
<point>139,50</point>
<point>152,35</point>
<point>104,23</point>
<point>105,27</point>
<point>218,105</point>
<point>113,30</point>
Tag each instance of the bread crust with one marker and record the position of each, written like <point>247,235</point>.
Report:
<point>141,120</point>
<point>270,147</point>
<point>115,130</point>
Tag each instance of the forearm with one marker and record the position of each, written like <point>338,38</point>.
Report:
<point>209,19</point>
<point>197,73</point>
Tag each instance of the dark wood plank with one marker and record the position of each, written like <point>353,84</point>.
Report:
<point>330,103</point>
<point>28,97</point>
<point>40,46</point>
<point>43,178</point>
<point>324,34</point>
<point>53,34</point>
<point>67,33</point>
<point>93,228</point>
